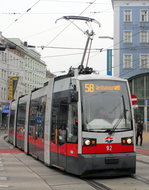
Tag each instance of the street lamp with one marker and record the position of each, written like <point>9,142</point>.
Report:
<point>104,37</point>
<point>109,55</point>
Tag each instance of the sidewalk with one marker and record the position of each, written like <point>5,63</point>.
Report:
<point>146,136</point>
<point>145,145</point>
<point>19,171</point>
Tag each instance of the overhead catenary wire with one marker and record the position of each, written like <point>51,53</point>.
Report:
<point>104,49</point>
<point>90,3</point>
<point>117,43</point>
<point>69,24</point>
<point>29,9</point>
<point>135,62</point>
<point>70,1</point>
<point>64,55</point>
<point>68,54</point>
<point>54,13</point>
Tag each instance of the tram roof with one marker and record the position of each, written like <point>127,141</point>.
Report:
<point>97,76</point>
<point>92,76</point>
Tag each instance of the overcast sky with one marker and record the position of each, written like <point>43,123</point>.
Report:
<point>34,21</point>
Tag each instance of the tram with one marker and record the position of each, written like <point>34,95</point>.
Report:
<point>81,122</point>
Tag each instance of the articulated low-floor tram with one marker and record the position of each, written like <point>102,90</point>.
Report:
<point>81,123</point>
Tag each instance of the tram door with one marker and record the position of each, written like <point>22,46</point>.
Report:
<point>36,127</point>
<point>59,132</point>
<point>20,126</point>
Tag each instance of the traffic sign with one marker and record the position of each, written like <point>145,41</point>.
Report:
<point>134,99</point>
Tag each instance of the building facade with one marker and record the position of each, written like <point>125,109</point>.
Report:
<point>34,68</point>
<point>21,70</point>
<point>131,50</point>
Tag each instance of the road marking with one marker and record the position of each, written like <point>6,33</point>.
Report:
<point>3,178</point>
<point>143,151</point>
<point>12,151</point>
<point>4,186</point>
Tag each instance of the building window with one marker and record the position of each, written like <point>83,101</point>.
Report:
<point>127,61</point>
<point>127,15</point>
<point>139,87</point>
<point>147,87</point>
<point>143,16</point>
<point>2,93</point>
<point>144,61</point>
<point>127,37</point>
<point>144,37</point>
<point>5,95</point>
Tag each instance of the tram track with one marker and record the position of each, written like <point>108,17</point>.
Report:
<point>140,178</point>
<point>143,162</point>
<point>97,186</point>
<point>100,186</point>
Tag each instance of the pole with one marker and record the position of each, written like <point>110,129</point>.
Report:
<point>85,50</point>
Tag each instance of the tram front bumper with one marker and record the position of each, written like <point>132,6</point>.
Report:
<point>106,164</point>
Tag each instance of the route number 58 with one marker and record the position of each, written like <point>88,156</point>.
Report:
<point>89,87</point>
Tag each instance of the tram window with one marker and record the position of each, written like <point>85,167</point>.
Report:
<point>37,117</point>
<point>72,129</point>
<point>12,116</point>
<point>59,120</point>
<point>21,118</point>
<point>55,109</point>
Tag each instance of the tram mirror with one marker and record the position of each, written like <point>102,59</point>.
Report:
<point>73,96</point>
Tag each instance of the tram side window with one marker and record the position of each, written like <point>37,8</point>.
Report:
<point>72,129</point>
<point>11,122</point>
<point>37,117</point>
<point>59,120</point>
<point>21,118</point>
<point>54,130</point>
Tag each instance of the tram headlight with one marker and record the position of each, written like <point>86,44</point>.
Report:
<point>127,141</point>
<point>89,142</point>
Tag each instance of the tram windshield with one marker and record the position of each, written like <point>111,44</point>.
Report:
<point>106,106</point>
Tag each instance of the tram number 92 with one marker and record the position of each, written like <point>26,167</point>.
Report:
<point>109,148</point>
<point>89,87</point>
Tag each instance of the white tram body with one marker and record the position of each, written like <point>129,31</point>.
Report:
<point>82,124</point>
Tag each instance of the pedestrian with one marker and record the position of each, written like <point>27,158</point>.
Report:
<point>139,132</point>
<point>62,135</point>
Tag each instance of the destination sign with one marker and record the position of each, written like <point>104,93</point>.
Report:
<point>90,87</point>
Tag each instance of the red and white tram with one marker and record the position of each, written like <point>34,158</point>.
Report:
<point>82,124</point>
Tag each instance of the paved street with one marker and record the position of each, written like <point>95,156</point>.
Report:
<point>20,171</point>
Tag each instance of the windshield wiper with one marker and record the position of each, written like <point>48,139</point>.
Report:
<point>125,110</point>
<point>110,131</point>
